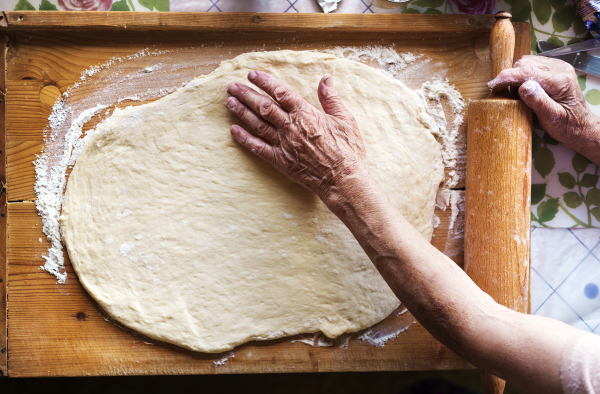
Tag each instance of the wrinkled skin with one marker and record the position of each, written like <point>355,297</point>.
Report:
<point>324,152</point>
<point>314,148</point>
<point>550,88</point>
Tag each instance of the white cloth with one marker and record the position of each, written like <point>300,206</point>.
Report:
<point>580,365</point>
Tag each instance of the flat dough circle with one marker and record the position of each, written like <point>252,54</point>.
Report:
<point>185,236</point>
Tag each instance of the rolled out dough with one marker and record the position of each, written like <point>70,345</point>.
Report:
<point>185,236</point>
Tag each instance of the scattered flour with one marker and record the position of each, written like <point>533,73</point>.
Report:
<point>380,338</point>
<point>372,336</point>
<point>125,248</point>
<point>224,359</point>
<point>49,190</point>
<point>320,340</point>
<point>386,57</point>
<point>454,199</point>
<point>436,221</point>
<point>437,89</point>
<point>456,203</point>
<point>432,93</point>
<point>402,312</point>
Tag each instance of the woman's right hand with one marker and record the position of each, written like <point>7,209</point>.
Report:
<point>550,88</point>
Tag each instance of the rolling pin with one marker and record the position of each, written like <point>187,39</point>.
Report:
<point>498,190</point>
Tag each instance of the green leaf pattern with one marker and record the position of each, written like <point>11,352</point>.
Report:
<point>571,194</point>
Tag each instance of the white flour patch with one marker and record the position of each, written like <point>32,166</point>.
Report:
<point>49,188</point>
<point>224,359</point>
<point>456,231</point>
<point>380,338</point>
<point>125,248</point>
<point>402,312</point>
<point>374,337</point>
<point>456,203</point>
<point>386,57</point>
<point>320,340</point>
<point>432,93</point>
<point>438,89</point>
<point>436,221</point>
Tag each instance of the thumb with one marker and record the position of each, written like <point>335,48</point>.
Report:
<point>330,100</point>
<point>538,100</point>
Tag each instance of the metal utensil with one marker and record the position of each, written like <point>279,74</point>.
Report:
<point>573,48</point>
<point>582,62</point>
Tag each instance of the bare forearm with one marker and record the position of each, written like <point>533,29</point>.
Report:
<point>525,350</point>
<point>433,287</point>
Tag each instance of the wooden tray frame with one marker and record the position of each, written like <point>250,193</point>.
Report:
<point>255,22</point>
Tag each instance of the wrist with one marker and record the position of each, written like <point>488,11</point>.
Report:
<point>588,141</point>
<point>352,186</point>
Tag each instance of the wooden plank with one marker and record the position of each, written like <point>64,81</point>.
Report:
<point>3,215</point>
<point>522,40</point>
<point>59,330</point>
<point>224,22</point>
<point>46,336</point>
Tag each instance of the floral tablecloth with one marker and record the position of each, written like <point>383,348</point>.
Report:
<point>565,266</point>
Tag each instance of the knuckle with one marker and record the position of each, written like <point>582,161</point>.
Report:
<point>258,150</point>
<point>282,93</point>
<point>528,71</point>
<point>265,107</point>
<point>242,111</point>
<point>242,91</point>
<point>287,124</point>
<point>262,129</point>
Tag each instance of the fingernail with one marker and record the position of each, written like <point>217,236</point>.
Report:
<point>328,81</point>
<point>529,87</point>
<point>252,75</point>
<point>491,84</point>
<point>232,88</point>
<point>230,103</point>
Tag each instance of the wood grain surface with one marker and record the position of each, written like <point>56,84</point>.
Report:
<point>498,193</point>
<point>58,330</point>
<point>3,215</point>
<point>227,21</point>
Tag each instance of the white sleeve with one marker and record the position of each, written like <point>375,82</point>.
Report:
<point>580,365</point>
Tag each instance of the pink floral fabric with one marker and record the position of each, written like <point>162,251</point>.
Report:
<point>472,6</point>
<point>85,5</point>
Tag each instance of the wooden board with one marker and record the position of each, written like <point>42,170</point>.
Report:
<point>58,330</point>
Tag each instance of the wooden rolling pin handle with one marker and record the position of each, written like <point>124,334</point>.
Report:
<point>502,48</point>
<point>502,43</point>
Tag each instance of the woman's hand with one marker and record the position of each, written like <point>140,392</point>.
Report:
<point>321,151</point>
<point>550,88</point>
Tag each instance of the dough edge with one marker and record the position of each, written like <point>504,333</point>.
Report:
<point>76,262</point>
